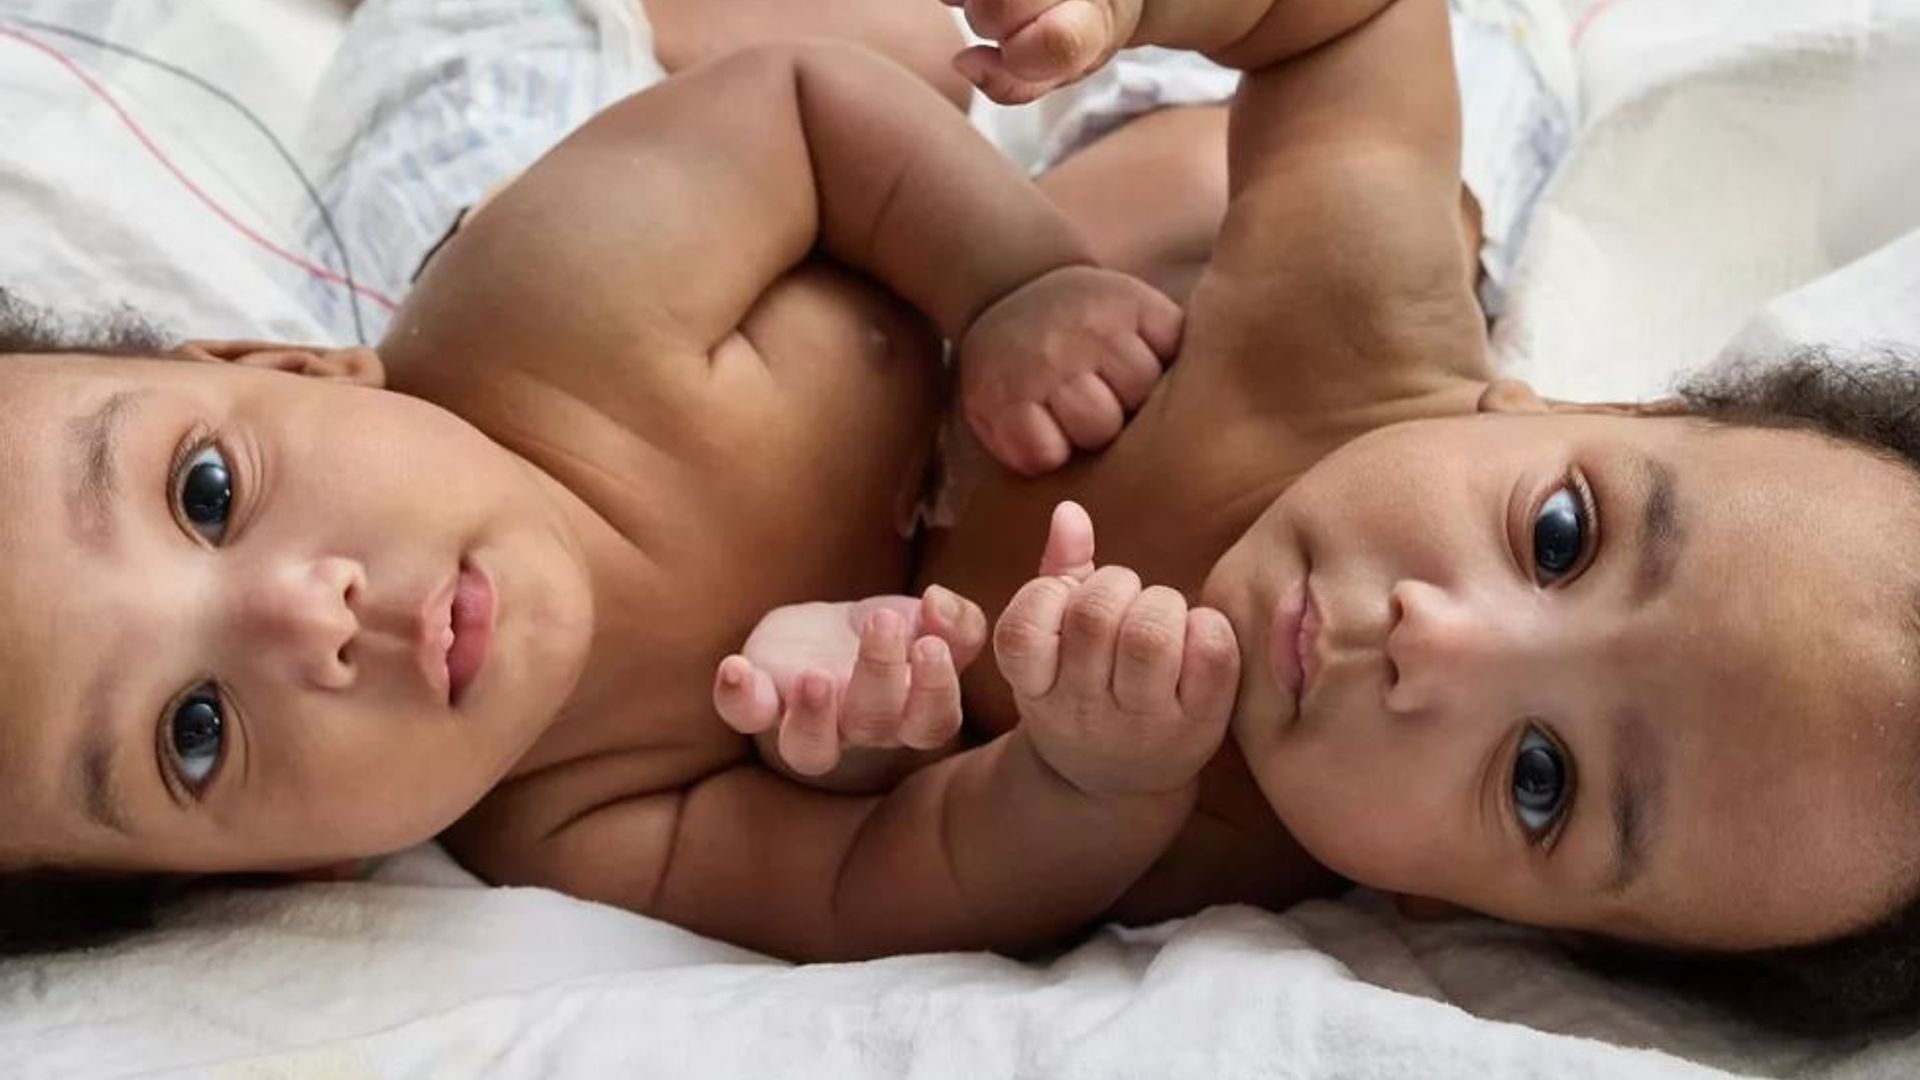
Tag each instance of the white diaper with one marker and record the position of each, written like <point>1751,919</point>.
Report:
<point>429,103</point>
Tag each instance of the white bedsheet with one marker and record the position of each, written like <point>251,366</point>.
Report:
<point>1733,151</point>
<point>420,973</point>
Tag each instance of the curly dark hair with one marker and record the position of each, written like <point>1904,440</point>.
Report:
<point>45,909</point>
<point>1866,982</point>
<point>119,331</point>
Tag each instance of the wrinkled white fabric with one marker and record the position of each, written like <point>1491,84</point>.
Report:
<point>422,972</point>
<point>1730,152</point>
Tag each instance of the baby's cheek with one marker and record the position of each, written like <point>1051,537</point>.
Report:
<point>1356,828</point>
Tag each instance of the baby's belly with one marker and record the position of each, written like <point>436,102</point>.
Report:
<point>831,464</point>
<point>785,476</point>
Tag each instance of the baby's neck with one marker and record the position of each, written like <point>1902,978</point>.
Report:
<point>617,575</point>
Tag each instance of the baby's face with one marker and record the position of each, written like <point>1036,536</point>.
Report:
<point>1643,677</point>
<point>227,594</point>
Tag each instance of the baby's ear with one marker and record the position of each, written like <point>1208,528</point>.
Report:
<point>360,366</point>
<point>1514,397</point>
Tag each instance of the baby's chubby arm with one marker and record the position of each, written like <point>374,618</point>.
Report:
<point>1339,275</point>
<point>1124,695</point>
<point>706,188</point>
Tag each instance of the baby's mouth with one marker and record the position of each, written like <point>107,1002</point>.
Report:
<point>469,636</point>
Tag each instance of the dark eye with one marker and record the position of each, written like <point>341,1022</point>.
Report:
<point>195,735</point>
<point>1559,535</point>
<point>1539,783</point>
<point>204,492</point>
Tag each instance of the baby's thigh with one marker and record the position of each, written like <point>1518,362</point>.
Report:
<point>918,34</point>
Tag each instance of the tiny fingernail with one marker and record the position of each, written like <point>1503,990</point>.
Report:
<point>928,650</point>
<point>813,689</point>
<point>945,603</point>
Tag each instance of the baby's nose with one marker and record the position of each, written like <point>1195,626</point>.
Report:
<point>302,613</point>
<point>1448,651</point>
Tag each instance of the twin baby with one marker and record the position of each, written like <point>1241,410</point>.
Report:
<point>1358,612</point>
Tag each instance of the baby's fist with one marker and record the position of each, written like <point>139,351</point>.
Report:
<point>1122,690</point>
<point>1043,44</point>
<point>1061,362</point>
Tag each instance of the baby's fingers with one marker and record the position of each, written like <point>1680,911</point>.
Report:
<point>1069,550</point>
<point>1026,640</point>
<point>1162,323</point>
<point>877,689</point>
<point>956,620</point>
<point>744,696</point>
<point>1148,653</point>
<point>1209,667</point>
<point>809,738</point>
<point>1026,439</point>
<point>1088,411</point>
<point>1132,370</point>
<point>1090,630</point>
<point>984,67</point>
<point>999,19</point>
<point>933,703</point>
<point>1063,43</point>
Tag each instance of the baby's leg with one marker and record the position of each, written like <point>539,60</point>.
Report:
<point>919,35</point>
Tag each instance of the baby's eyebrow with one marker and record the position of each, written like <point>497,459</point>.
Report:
<point>1661,534</point>
<point>1638,781</point>
<point>95,440</point>
<point>99,790</point>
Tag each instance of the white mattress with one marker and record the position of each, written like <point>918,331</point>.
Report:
<point>421,972</point>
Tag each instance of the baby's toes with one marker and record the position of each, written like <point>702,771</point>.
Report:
<point>744,696</point>
<point>809,739</point>
<point>933,701</point>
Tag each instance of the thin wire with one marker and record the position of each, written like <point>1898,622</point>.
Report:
<point>354,289</point>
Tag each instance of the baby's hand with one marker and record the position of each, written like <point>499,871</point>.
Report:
<point>1043,44</point>
<point>1123,691</point>
<point>818,680</point>
<point>1061,361</point>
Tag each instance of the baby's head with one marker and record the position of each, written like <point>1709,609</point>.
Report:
<point>228,578</point>
<point>1641,674</point>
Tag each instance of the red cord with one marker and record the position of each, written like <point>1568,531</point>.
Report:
<point>1593,12</point>
<point>219,211</point>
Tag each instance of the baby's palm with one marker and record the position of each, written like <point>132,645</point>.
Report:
<point>817,680</point>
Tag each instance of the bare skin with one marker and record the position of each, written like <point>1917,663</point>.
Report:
<point>1573,666</point>
<point>1616,737</point>
<point>920,37</point>
<point>594,466</point>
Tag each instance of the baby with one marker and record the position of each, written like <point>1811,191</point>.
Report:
<point>1606,669</point>
<point>301,606</point>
